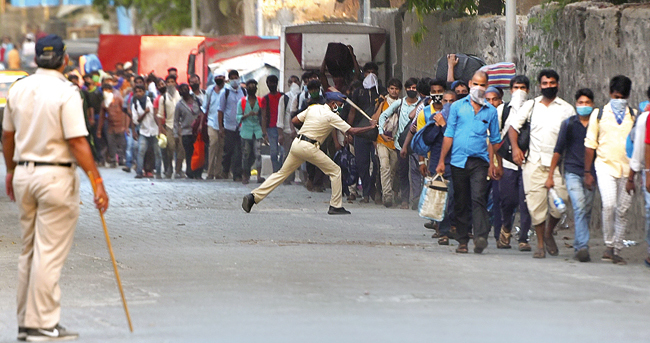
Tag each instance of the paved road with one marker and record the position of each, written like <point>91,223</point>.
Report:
<point>196,268</point>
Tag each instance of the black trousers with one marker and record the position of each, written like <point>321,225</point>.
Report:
<point>470,197</point>
<point>403,175</point>
<point>188,145</point>
<point>364,153</point>
<point>232,155</point>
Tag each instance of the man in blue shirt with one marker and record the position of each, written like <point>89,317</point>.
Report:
<point>468,124</point>
<point>228,126</point>
<point>211,109</point>
<point>571,144</point>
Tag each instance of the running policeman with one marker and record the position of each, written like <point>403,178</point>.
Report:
<point>44,140</point>
<point>316,124</point>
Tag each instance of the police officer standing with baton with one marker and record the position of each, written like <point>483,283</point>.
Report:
<point>44,140</point>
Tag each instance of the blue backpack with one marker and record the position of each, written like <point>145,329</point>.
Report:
<point>426,136</point>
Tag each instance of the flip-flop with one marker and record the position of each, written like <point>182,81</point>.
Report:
<point>551,247</point>
<point>462,249</point>
<point>539,253</point>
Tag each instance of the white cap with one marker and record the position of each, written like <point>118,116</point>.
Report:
<point>128,65</point>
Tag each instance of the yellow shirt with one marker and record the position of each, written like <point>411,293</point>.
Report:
<point>389,144</point>
<point>608,138</point>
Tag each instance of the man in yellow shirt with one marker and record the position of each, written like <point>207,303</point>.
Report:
<point>386,146</point>
<point>606,136</point>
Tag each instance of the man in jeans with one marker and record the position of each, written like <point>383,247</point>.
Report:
<point>570,143</point>
<point>143,115</point>
<point>606,137</point>
<point>211,109</point>
<point>270,106</point>
<point>468,124</point>
<point>228,126</point>
<point>545,114</point>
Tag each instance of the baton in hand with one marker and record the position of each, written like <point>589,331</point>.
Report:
<point>110,251</point>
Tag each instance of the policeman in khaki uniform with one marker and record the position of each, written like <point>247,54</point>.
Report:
<point>316,123</point>
<point>44,141</point>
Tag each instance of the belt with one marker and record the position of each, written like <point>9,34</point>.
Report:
<point>39,164</point>
<point>307,139</point>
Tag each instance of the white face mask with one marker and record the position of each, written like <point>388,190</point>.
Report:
<point>518,98</point>
<point>477,94</point>
<point>234,83</point>
<point>371,81</point>
<point>108,98</point>
<point>294,88</point>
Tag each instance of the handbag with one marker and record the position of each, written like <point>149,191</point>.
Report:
<point>433,199</point>
<point>505,150</point>
<point>198,157</point>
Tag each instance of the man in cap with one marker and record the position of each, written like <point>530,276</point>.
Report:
<point>316,124</point>
<point>44,140</point>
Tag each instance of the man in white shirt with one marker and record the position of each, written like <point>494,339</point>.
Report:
<point>511,185</point>
<point>143,114</point>
<point>166,110</point>
<point>545,114</point>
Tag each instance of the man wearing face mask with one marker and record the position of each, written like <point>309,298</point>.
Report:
<point>511,187</point>
<point>195,88</point>
<point>211,109</point>
<point>472,161</point>
<point>605,140</point>
<point>116,125</point>
<point>252,130</point>
<point>270,105</point>
<point>187,110</point>
<point>166,110</point>
<point>228,126</point>
<point>367,98</point>
<point>316,124</point>
<point>571,145</point>
<point>545,114</point>
<point>460,88</point>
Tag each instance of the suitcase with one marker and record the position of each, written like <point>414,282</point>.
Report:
<point>339,60</point>
<point>464,70</point>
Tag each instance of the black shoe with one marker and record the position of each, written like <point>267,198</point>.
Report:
<point>582,255</point>
<point>248,202</point>
<point>480,244</point>
<point>139,176</point>
<point>126,169</point>
<point>22,333</point>
<point>57,333</point>
<point>337,210</point>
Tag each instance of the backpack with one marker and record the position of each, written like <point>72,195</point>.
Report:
<point>243,108</point>
<point>426,136</point>
<point>505,150</point>
<point>629,142</point>
<point>402,135</point>
<point>348,163</point>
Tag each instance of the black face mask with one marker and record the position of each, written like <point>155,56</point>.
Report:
<point>87,84</point>
<point>162,90</point>
<point>220,82</point>
<point>460,96</point>
<point>411,93</point>
<point>251,91</point>
<point>195,87</point>
<point>549,92</point>
<point>273,88</point>
<point>436,98</point>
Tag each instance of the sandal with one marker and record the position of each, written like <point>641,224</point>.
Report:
<point>539,253</point>
<point>551,247</point>
<point>523,246</point>
<point>462,249</point>
<point>444,240</point>
<point>404,206</point>
<point>504,240</point>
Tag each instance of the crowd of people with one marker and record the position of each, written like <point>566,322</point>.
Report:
<point>150,125</point>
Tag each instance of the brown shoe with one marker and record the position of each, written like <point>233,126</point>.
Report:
<point>608,255</point>
<point>617,259</point>
<point>523,246</point>
<point>504,239</point>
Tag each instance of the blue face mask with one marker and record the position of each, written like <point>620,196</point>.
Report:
<point>618,105</point>
<point>584,110</point>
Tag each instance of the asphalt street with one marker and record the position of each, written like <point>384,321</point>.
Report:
<point>196,268</point>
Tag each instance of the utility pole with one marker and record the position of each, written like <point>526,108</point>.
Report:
<point>511,29</point>
<point>193,17</point>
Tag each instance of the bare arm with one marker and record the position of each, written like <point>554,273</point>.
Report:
<point>81,151</point>
<point>554,162</point>
<point>452,61</point>
<point>517,154</point>
<point>589,160</point>
<point>8,146</point>
<point>359,130</point>
<point>446,145</point>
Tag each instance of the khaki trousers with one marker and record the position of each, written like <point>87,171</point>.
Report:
<point>48,203</point>
<point>301,152</point>
<point>215,153</point>
<point>387,169</point>
<point>539,200</point>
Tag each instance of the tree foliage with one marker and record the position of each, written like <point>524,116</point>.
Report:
<point>422,8</point>
<point>163,16</point>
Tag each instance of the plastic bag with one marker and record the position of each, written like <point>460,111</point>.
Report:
<point>433,199</point>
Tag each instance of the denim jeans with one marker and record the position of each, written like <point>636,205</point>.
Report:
<point>272,133</point>
<point>129,148</point>
<point>143,145</point>
<point>581,200</point>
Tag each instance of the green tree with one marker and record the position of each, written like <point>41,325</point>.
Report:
<point>163,16</point>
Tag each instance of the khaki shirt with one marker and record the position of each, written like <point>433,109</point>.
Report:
<point>44,110</point>
<point>167,107</point>
<point>608,138</point>
<point>319,121</point>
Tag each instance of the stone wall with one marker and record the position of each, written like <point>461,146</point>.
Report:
<point>587,43</point>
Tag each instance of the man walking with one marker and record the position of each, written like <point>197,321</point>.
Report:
<point>606,136</point>
<point>117,125</point>
<point>166,110</point>
<point>44,139</point>
<point>252,130</point>
<point>228,127</point>
<point>545,115</point>
<point>471,161</point>
<point>316,124</point>
<point>143,115</point>
<point>270,106</point>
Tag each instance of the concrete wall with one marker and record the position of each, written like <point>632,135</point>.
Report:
<point>587,44</point>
